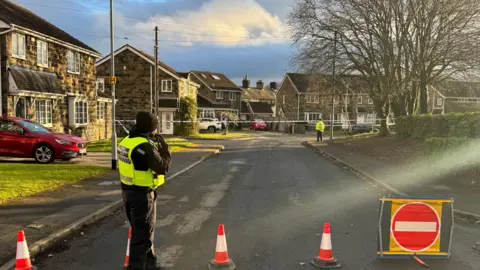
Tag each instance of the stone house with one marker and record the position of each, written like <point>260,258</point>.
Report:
<point>308,97</point>
<point>454,96</point>
<point>216,94</point>
<point>134,90</point>
<point>48,76</point>
<point>257,102</point>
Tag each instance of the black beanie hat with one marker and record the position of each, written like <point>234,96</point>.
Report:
<point>146,122</point>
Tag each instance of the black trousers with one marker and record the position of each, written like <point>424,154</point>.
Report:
<point>319,135</point>
<point>141,212</point>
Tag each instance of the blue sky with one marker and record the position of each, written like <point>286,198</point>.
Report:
<point>236,37</point>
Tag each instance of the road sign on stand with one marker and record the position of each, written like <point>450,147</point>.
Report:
<point>415,227</point>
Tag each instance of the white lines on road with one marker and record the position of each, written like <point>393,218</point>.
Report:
<point>165,197</point>
<point>193,221</point>
<point>295,199</point>
<point>183,199</point>
<point>169,255</point>
<point>167,220</point>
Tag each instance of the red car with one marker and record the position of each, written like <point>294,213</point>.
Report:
<point>258,124</point>
<point>23,138</point>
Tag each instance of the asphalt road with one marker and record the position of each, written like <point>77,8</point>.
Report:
<point>273,195</point>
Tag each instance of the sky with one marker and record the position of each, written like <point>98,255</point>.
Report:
<point>234,37</point>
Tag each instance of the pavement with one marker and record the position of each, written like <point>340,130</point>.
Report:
<point>50,212</point>
<point>273,196</point>
<point>413,179</point>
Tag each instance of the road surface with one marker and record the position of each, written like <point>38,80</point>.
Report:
<point>273,195</point>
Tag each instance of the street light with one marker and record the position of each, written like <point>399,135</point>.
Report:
<point>112,83</point>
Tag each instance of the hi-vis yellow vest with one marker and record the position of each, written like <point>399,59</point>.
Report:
<point>320,126</point>
<point>128,175</point>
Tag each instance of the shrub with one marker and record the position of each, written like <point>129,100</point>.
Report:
<point>444,125</point>
<point>188,116</point>
<point>436,145</point>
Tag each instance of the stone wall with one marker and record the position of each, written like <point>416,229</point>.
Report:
<point>288,93</point>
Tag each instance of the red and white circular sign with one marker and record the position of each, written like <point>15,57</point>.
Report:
<point>415,226</point>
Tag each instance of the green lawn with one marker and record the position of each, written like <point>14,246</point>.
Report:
<point>219,135</point>
<point>106,145</point>
<point>20,180</point>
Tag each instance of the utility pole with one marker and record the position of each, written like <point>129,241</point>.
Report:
<point>157,114</point>
<point>112,83</point>
<point>333,88</point>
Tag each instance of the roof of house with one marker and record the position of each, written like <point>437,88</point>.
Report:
<point>167,67</point>
<point>37,81</point>
<point>215,80</point>
<point>453,88</point>
<point>167,103</point>
<point>12,13</point>
<point>261,107</point>
<point>184,74</point>
<point>304,81</point>
<point>258,94</point>
<point>202,102</point>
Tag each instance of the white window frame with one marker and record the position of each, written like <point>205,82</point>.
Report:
<point>283,102</point>
<point>80,112</point>
<point>19,50</point>
<point>439,103</point>
<point>346,99</point>
<point>215,77</point>
<point>101,110</point>
<point>370,100</point>
<point>73,62</point>
<point>100,85</point>
<point>44,117</point>
<point>308,118</point>
<point>359,99</point>
<point>42,53</point>
<point>165,84</point>
<point>219,95</point>
<point>232,96</point>
<point>203,113</point>
<point>312,98</point>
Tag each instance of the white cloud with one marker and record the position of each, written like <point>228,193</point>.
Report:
<point>221,22</point>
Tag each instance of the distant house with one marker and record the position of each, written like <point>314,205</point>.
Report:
<point>48,76</point>
<point>454,96</point>
<point>308,97</point>
<point>257,102</point>
<point>216,94</point>
<point>134,90</point>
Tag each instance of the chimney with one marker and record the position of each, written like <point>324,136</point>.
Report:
<point>273,85</point>
<point>246,82</point>
<point>260,84</point>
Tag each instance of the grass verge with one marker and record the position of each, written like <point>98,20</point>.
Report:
<point>219,135</point>
<point>176,145</point>
<point>21,180</point>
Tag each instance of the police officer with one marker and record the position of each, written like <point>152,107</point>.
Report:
<point>144,159</point>
<point>320,127</point>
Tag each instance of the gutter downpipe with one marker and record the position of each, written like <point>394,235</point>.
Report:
<point>1,71</point>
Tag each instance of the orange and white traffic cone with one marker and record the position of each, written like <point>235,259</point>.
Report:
<point>127,256</point>
<point>221,260</point>
<point>23,255</point>
<point>325,259</point>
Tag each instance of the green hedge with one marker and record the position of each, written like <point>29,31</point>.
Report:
<point>443,125</point>
<point>436,145</point>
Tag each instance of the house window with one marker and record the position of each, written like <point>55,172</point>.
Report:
<point>359,99</point>
<point>439,101</point>
<point>101,111</point>
<point>370,101</point>
<point>232,96</point>
<point>18,45</point>
<point>215,77</point>
<point>100,84</point>
<point>206,113</point>
<point>283,102</point>
<point>203,75</point>
<point>73,59</point>
<point>312,116</point>
<point>42,53</point>
<point>219,95</point>
<point>167,86</point>
<point>43,111</point>
<point>81,112</point>
<point>21,108</point>
<point>312,98</point>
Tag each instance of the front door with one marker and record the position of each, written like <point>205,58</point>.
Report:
<point>21,108</point>
<point>167,123</point>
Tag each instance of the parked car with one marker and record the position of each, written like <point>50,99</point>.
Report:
<point>24,138</point>
<point>258,124</point>
<point>209,124</point>
<point>362,128</point>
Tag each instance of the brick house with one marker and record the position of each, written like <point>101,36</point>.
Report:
<point>308,97</point>
<point>216,94</point>
<point>134,90</point>
<point>454,96</point>
<point>257,102</point>
<point>48,76</point>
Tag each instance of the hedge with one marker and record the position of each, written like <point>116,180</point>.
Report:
<point>437,145</point>
<point>443,125</point>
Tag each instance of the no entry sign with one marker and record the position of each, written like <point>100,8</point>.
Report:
<point>415,226</point>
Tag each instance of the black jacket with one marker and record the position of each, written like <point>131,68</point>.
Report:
<point>145,156</point>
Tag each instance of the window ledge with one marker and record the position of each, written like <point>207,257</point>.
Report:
<point>72,72</point>
<point>78,125</point>
<point>19,57</point>
<point>42,65</point>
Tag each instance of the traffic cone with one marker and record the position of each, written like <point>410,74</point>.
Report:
<point>127,256</point>
<point>23,255</point>
<point>221,260</point>
<point>325,259</point>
